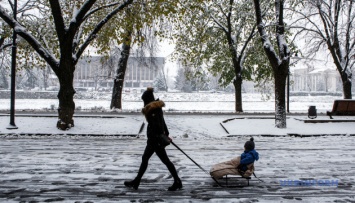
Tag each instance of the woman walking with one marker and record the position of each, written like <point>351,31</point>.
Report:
<point>156,126</point>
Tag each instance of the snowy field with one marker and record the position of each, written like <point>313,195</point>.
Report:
<point>181,102</point>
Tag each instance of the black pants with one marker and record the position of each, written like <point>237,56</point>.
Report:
<point>161,153</point>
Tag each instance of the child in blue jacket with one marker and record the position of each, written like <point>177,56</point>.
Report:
<point>249,156</point>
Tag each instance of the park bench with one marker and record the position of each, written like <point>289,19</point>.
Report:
<point>342,107</point>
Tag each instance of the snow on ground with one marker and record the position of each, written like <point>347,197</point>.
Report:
<point>68,168</point>
<point>295,126</point>
<point>180,125</point>
<point>93,169</point>
<point>193,102</point>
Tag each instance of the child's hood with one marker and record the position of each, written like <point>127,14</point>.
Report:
<point>254,153</point>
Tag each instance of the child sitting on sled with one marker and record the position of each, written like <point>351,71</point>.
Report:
<point>242,165</point>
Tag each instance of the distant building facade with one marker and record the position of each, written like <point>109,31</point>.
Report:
<point>310,76</point>
<point>95,73</point>
<point>316,80</point>
<point>141,72</point>
<point>315,77</point>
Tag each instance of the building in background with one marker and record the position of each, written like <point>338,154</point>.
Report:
<point>315,76</point>
<point>141,72</point>
<point>97,73</point>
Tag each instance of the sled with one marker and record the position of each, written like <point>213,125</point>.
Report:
<point>229,168</point>
<point>224,169</point>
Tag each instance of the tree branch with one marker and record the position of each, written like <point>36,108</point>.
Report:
<point>58,20</point>
<point>98,27</point>
<point>269,49</point>
<point>348,50</point>
<point>308,18</point>
<point>20,30</point>
<point>250,37</point>
<point>78,18</point>
<point>98,9</point>
<point>219,24</point>
<point>336,24</point>
<point>331,48</point>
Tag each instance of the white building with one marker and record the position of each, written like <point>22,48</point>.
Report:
<point>315,76</point>
<point>96,73</point>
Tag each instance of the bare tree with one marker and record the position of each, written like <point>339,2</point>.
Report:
<point>330,24</point>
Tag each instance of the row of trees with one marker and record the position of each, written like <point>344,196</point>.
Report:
<point>222,35</point>
<point>61,31</point>
<point>233,39</point>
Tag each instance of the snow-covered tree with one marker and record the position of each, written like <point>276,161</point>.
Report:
<point>159,82</point>
<point>331,24</point>
<point>4,56</point>
<point>141,28</point>
<point>116,100</point>
<point>6,44</point>
<point>181,82</point>
<point>75,24</point>
<point>186,80</point>
<point>217,33</point>
<point>279,59</point>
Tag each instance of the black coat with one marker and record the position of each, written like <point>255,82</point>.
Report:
<point>156,124</point>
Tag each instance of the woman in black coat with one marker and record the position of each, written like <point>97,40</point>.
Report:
<point>156,125</point>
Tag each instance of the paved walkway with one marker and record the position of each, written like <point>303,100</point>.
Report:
<point>39,163</point>
<point>93,169</point>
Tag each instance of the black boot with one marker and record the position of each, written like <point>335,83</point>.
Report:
<point>176,185</point>
<point>134,183</point>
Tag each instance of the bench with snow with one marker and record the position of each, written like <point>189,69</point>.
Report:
<point>229,168</point>
<point>342,107</point>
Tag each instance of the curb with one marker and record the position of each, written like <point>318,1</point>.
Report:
<point>68,134</point>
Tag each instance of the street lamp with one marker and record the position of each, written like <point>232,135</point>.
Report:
<point>288,91</point>
<point>12,124</point>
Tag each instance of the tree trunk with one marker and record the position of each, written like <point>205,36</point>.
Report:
<point>279,62</point>
<point>66,97</point>
<point>346,86</point>
<point>116,101</point>
<point>238,94</point>
<point>280,99</point>
<point>237,82</point>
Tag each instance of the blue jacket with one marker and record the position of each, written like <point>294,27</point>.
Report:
<point>248,157</point>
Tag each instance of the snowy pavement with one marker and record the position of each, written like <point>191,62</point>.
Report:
<point>39,163</point>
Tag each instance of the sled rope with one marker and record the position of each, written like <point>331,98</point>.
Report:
<point>258,178</point>
<point>196,164</point>
<point>141,129</point>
